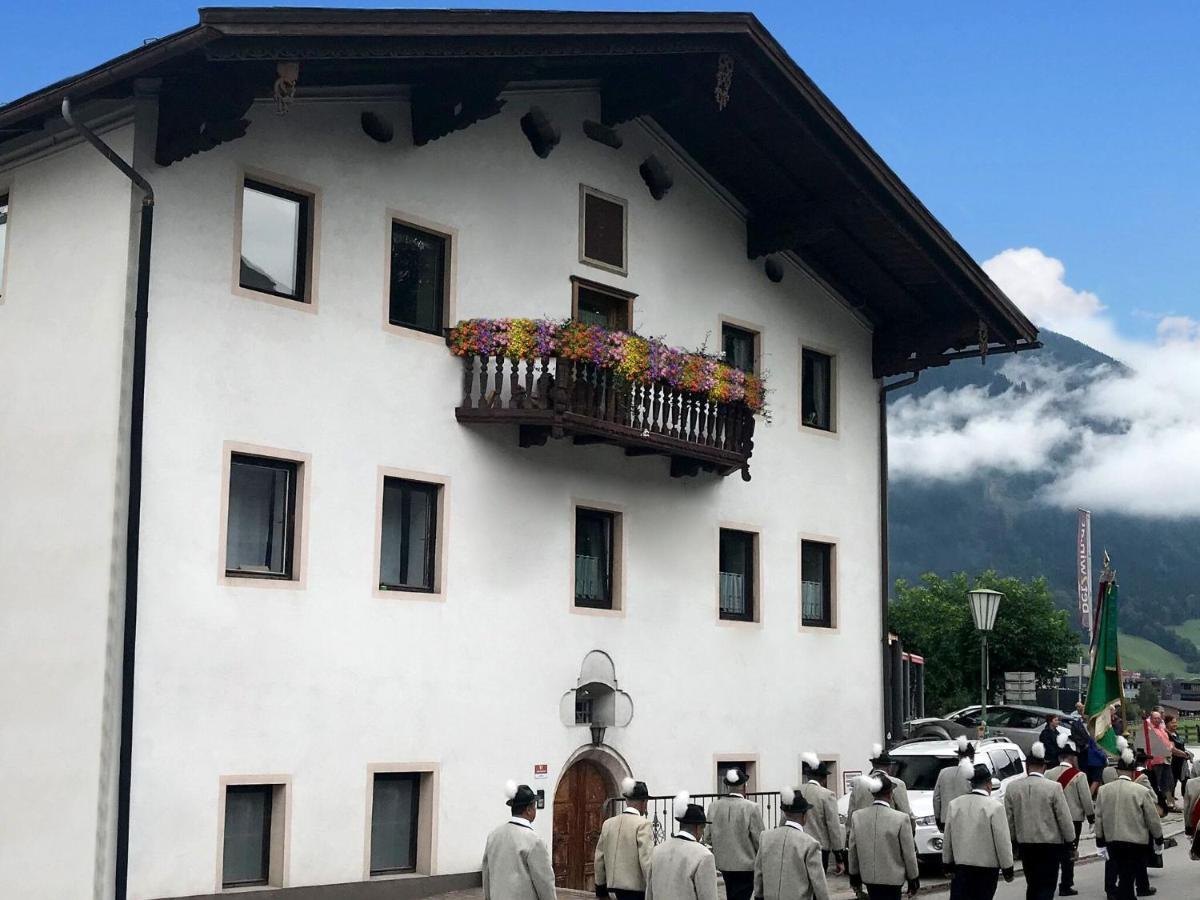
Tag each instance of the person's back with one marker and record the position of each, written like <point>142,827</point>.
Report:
<point>882,850</point>
<point>789,866</point>
<point>952,783</point>
<point>623,852</point>
<point>1037,811</point>
<point>682,869</point>
<point>516,865</point>
<point>735,824</point>
<point>1126,814</point>
<point>977,833</point>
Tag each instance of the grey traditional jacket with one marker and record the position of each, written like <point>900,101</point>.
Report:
<point>735,824</point>
<point>1191,796</point>
<point>950,785</point>
<point>882,849</point>
<point>977,833</point>
<point>1079,795</point>
<point>1125,813</point>
<point>822,820</point>
<point>861,797</point>
<point>682,869</point>
<point>623,851</point>
<point>516,865</point>
<point>789,867</point>
<point>1038,812</point>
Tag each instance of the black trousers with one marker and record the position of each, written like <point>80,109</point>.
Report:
<point>974,883</point>
<point>1141,878</point>
<point>629,895</point>
<point>1068,864</point>
<point>738,885</point>
<point>883,891</point>
<point>825,860</point>
<point>1129,870</point>
<point>1041,869</point>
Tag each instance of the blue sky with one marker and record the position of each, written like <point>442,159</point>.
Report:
<point>1018,124</point>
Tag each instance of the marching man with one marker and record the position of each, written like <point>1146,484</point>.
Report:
<point>822,820</point>
<point>1126,823</point>
<point>1079,800</point>
<point>883,854</point>
<point>516,864</point>
<point>1039,821</point>
<point>882,767</point>
<point>735,825</point>
<point>953,781</point>
<point>977,847</point>
<point>788,866</point>
<point>682,868</point>
<point>625,845</point>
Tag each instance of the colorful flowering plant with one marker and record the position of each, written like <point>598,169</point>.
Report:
<point>633,357</point>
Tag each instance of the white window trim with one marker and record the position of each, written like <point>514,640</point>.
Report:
<point>312,277</point>
<point>427,817</point>
<point>438,594</point>
<point>281,830</point>
<point>756,589</point>
<point>834,553</point>
<point>834,392</point>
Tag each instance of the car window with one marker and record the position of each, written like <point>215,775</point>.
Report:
<point>968,719</point>
<point>919,773</point>
<point>1024,720</point>
<point>1015,765</point>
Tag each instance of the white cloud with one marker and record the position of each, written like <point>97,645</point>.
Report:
<point>1105,440</point>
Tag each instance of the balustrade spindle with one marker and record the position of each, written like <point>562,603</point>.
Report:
<point>483,375</point>
<point>656,398</point>
<point>468,379</point>
<point>527,400</point>
<point>515,400</point>
<point>497,399</point>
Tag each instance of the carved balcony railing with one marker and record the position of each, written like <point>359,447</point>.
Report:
<point>556,397</point>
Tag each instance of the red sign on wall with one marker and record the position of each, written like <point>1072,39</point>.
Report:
<point>540,770</point>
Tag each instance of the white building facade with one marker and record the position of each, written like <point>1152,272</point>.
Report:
<point>356,615</point>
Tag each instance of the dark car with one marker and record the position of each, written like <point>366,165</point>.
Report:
<point>1022,724</point>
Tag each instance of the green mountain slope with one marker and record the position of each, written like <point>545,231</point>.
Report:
<point>1141,655</point>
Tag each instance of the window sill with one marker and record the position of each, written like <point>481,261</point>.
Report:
<point>738,623</point>
<point>396,876</point>
<point>819,629</point>
<point>260,581</point>
<point>831,433</point>
<point>308,306</point>
<point>407,331</point>
<point>611,612</point>
<point>380,593</point>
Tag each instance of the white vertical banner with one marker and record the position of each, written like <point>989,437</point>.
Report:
<point>1083,568</point>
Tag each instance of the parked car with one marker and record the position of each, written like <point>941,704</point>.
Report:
<point>1023,724</point>
<point>918,763</point>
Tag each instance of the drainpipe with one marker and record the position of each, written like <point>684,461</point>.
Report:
<point>137,403</point>
<point>890,715</point>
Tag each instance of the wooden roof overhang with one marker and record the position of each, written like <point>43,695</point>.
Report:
<point>809,183</point>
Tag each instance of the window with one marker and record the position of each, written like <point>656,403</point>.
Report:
<point>418,286</point>
<point>594,558</point>
<point>246,856</point>
<point>724,765</point>
<point>602,238</point>
<point>395,809</point>
<point>739,347</point>
<point>583,711</point>
<point>596,304</point>
<point>261,531</point>
<point>816,390</point>
<point>408,550</point>
<point>816,584</point>
<point>3,236</point>
<point>736,572</point>
<point>276,241</point>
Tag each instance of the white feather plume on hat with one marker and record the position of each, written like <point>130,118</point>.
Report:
<point>874,785</point>
<point>680,804</point>
<point>810,759</point>
<point>627,786</point>
<point>733,776</point>
<point>510,789</point>
<point>876,751</point>
<point>1127,756</point>
<point>1063,739</point>
<point>787,796</point>
<point>962,743</point>
<point>966,768</point>
<point>1122,744</point>
<point>1038,750</point>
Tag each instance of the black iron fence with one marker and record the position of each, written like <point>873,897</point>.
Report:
<point>660,811</point>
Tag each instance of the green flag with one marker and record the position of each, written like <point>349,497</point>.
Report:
<point>1105,697</point>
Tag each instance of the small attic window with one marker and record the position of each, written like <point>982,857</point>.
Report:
<point>603,239</point>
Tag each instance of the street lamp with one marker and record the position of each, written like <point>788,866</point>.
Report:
<point>985,604</point>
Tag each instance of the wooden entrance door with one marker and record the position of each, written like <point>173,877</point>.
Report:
<point>578,815</point>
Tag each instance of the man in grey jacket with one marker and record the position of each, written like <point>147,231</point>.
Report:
<point>682,868</point>
<point>788,865</point>
<point>1127,825</point>
<point>622,862</point>
<point>735,824</point>
<point>516,864</point>
<point>882,766</point>
<point>977,846</point>
<point>822,820</point>
<point>1039,821</point>
<point>1079,800</point>
<point>953,782</point>
<point>883,854</point>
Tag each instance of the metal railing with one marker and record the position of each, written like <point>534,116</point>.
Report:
<point>660,812</point>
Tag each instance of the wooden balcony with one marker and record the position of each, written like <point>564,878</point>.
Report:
<point>553,397</point>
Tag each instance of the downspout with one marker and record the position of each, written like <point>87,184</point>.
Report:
<point>890,714</point>
<point>137,403</point>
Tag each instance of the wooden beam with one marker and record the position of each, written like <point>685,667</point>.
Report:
<point>803,222</point>
<point>454,102</point>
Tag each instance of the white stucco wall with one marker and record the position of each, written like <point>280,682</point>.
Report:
<point>62,464</point>
<point>318,683</point>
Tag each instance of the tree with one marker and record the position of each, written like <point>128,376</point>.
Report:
<point>1147,698</point>
<point>933,618</point>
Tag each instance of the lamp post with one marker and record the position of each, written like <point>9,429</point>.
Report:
<point>985,604</point>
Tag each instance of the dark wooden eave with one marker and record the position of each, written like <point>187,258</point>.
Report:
<point>811,185</point>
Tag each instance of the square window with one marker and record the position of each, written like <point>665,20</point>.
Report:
<point>736,569</point>
<point>246,857</point>
<point>739,347</point>
<point>594,558</point>
<point>418,283</point>
<point>816,390</point>
<point>602,237</point>
<point>276,235</point>
<point>816,584</point>
<point>260,534</point>
<point>723,766</point>
<point>408,550</point>
<point>3,235</point>
<point>594,304</point>
<point>395,817</point>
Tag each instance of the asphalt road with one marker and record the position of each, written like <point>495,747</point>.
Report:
<point>1178,879</point>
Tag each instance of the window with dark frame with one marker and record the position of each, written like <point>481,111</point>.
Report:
<point>816,390</point>
<point>276,231</point>
<point>408,536</point>
<point>602,233</point>
<point>738,346</point>
<point>596,306</point>
<point>594,558</point>
<point>816,584</point>
<point>395,818</point>
<point>261,528</point>
<point>246,855</point>
<point>417,288</point>
<point>736,569</point>
<point>3,235</point>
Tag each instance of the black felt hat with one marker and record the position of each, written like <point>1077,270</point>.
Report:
<point>792,801</point>
<point>879,756</point>
<point>813,765</point>
<point>519,795</point>
<point>981,774</point>
<point>686,812</point>
<point>736,777</point>
<point>634,790</point>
